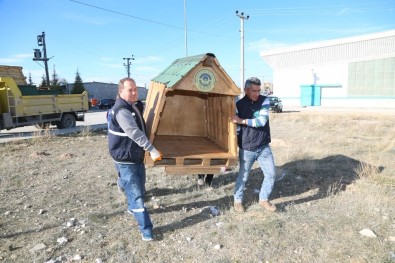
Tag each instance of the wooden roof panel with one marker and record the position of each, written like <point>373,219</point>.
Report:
<point>178,69</point>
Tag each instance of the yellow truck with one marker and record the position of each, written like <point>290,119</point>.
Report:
<point>24,105</point>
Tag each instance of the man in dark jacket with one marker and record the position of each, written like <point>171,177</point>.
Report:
<point>253,141</point>
<point>127,142</point>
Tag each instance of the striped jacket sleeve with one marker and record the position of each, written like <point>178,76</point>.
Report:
<point>262,117</point>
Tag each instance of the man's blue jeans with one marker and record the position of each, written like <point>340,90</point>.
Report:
<point>132,181</point>
<point>265,159</point>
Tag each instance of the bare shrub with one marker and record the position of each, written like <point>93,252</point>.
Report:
<point>365,170</point>
<point>42,134</point>
<point>86,132</point>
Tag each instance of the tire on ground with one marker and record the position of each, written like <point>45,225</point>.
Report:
<point>67,121</point>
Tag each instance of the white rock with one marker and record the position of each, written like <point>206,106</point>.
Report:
<point>38,247</point>
<point>77,257</point>
<point>189,239</point>
<point>217,246</point>
<point>62,240</point>
<point>367,233</point>
<point>72,222</point>
<point>98,260</point>
<point>7,213</point>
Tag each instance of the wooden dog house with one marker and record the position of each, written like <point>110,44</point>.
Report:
<point>188,110</point>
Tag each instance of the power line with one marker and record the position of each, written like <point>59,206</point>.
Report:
<point>320,7</point>
<point>325,9</point>
<point>140,18</point>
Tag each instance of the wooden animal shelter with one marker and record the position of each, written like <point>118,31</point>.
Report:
<point>188,110</point>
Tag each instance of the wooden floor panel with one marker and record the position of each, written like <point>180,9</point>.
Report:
<point>189,147</point>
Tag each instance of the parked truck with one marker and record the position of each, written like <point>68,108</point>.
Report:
<point>24,105</point>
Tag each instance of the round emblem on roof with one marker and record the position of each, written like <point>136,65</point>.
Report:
<point>205,80</point>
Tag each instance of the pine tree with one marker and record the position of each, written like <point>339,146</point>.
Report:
<point>43,82</point>
<point>30,79</point>
<point>78,87</point>
<point>54,82</point>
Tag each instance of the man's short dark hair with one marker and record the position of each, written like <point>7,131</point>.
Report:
<point>252,81</point>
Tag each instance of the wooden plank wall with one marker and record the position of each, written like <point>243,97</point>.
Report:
<point>183,114</point>
<point>154,105</point>
<point>220,130</point>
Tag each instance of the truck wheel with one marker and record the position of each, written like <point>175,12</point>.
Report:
<point>42,125</point>
<point>67,121</point>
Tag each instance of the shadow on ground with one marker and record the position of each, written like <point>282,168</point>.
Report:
<point>312,179</point>
<point>326,176</point>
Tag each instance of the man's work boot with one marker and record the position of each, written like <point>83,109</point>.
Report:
<point>238,207</point>
<point>268,206</point>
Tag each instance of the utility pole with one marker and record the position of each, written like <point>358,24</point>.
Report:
<point>127,65</point>
<point>37,54</point>
<point>242,17</point>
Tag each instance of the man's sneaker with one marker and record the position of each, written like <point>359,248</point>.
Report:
<point>238,207</point>
<point>147,236</point>
<point>268,206</point>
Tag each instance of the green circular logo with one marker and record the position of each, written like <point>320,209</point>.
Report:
<point>205,80</point>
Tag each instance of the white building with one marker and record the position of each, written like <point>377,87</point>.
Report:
<point>350,72</point>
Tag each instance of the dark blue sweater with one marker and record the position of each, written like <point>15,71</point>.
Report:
<point>250,138</point>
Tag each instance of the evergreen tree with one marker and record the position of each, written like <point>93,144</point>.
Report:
<point>30,79</point>
<point>54,82</point>
<point>78,87</point>
<point>43,82</point>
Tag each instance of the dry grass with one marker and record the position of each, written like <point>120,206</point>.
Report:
<point>42,134</point>
<point>339,180</point>
<point>86,131</point>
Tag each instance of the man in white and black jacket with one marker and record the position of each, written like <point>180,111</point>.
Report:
<point>127,142</point>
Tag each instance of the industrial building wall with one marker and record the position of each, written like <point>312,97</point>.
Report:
<point>287,81</point>
<point>100,90</point>
<point>352,72</point>
<point>343,84</point>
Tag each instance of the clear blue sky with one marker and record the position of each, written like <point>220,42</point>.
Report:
<point>94,36</point>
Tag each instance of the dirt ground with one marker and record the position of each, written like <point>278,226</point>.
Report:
<point>59,200</point>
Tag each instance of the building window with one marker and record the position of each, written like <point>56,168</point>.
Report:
<point>372,78</point>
